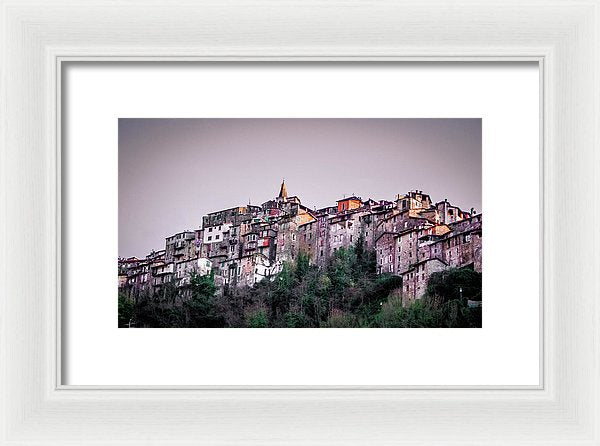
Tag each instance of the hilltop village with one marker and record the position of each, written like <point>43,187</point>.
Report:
<point>412,236</point>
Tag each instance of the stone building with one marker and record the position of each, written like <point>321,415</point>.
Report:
<point>347,204</point>
<point>414,279</point>
<point>412,237</point>
<point>424,248</point>
<point>307,239</point>
<point>180,247</point>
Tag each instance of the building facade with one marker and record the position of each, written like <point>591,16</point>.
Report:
<point>412,236</point>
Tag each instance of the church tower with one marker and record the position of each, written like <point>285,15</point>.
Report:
<point>283,192</point>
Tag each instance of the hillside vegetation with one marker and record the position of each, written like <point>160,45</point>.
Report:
<point>345,293</point>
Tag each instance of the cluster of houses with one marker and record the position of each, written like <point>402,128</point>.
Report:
<point>412,236</point>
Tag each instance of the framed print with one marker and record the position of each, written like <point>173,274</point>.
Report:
<point>255,139</point>
<point>263,223</point>
<point>282,264</point>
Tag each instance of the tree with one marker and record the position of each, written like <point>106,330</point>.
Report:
<point>302,265</point>
<point>158,309</point>
<point>126,308</point>
<point>279,298</point>
<point>366,259</point>
<point>340,319</point>
<point>200,309</point>
<point>455,283</point>
<point>347,292</point>
<point>449,292</point>
<point>296,319</point>
<point>257,318</point>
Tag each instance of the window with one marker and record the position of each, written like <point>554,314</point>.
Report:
<point>209,238</point>
<point>350,239</point>
<point>217,237</point>
<point>210,229</point>
<point>391,268</point>
<point>390,258</point>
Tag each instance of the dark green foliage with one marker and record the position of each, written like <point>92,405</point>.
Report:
<point>419,314</point>
<point>302,266</point>
<point>158,310</point>
<point>455,283</point>
<point>346,293</point>
<point>200,309</point>
<point>340,319</point>
<point>126,306</point>
<point>257,319</point>
<point>446,303</point>
<point>296,319</point>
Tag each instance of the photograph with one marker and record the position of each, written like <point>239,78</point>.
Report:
<point>292,195</point>
<point>300,223</point>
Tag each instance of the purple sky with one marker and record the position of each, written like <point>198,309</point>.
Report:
<point>173,171</point>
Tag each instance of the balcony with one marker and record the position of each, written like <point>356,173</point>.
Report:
<point>164,269</point>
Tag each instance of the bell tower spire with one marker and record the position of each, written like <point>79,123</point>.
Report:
<point>283,191</point>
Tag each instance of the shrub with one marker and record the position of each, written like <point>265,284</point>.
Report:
<point>340,319</point>
<point>257,319</point>
<point>126,307</point>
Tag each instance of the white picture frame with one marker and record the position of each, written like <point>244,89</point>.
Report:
<point>38,37</point>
